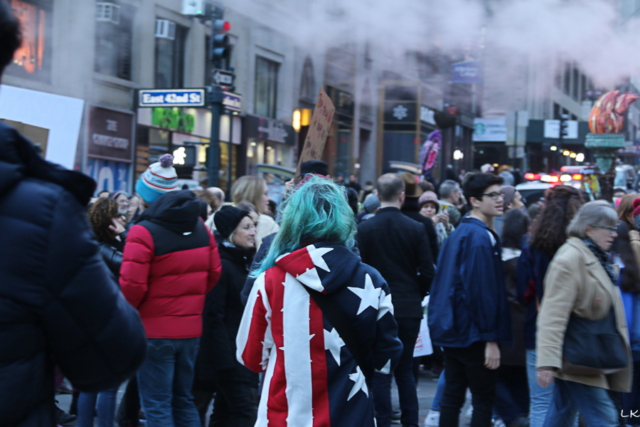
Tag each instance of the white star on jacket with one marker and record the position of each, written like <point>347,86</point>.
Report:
<point>369,295</point>
<point>359,383</point>
<point>333,343</point>
<point>386,306</point>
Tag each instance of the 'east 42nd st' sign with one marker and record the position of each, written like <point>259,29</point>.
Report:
<point>171,98</point>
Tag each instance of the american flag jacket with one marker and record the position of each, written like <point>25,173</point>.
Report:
<point>311,378</point>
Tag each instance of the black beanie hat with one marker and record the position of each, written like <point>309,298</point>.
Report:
<point>316,167</point>
<point>227,219</point>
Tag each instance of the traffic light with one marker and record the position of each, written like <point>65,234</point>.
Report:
<point>564,127</point>
<point>220,44</point>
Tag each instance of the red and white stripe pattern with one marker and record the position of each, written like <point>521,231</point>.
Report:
<point>311,378</point>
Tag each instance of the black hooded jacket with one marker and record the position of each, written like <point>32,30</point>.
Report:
<point>59,304</point>
<point>221,317</point>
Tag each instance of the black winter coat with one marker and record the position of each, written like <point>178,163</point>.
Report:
<point>112,256</point>
<point>59,304</point>
<point>398,248</point>
<point>221,319</point>
<point>411,208</point>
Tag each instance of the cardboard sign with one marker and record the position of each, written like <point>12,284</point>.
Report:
<point>37,135</point>
<point>318,129</point>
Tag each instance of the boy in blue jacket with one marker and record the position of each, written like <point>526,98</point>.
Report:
<point>468,308</point>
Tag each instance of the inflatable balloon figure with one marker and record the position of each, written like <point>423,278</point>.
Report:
<point>607,114</point>
<point>429,152</point>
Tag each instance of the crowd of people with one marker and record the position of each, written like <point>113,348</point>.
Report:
<point>304,313</point>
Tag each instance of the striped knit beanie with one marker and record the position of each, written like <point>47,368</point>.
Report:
<point>159,179</point>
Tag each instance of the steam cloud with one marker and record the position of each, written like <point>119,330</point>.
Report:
<point>542,32</point>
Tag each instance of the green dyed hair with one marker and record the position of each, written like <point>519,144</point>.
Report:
<point>316,211</point>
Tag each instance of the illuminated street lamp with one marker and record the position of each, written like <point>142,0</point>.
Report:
<point>573,155</point>
<point>458,155</point>
<point>301,117</point>
<point>566,153</point>
<point>553,148</point>
<point>580,157</point>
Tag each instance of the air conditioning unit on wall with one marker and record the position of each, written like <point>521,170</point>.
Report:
<point>108,12</point>
<point>165,29</point>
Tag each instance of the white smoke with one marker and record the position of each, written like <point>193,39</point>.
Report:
<point>591,32</point>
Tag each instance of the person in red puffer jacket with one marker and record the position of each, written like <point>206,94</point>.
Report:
<point>170,263</point>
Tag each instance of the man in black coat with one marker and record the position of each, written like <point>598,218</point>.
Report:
<point>398,247</point>
<point>411,208</point>
<point>59,304</point>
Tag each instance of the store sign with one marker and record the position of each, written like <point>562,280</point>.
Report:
<point>171,98</point>
<point>427,115</point>
<point>33,57</point>
<point>110,176</point>
<point>404,112</point>
<point>232,101</point>
<point>110,135</point>
<point>489,130</point>
<point>466,72</point>
<point>174,119</point>
<point>270,130</point>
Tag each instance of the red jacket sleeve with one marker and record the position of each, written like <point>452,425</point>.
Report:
<point>136,263</point>
<point>215,267</point>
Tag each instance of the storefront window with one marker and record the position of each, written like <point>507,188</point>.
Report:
<point>158,144</point>
<point>267,152</point>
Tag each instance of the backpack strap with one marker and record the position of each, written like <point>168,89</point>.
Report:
<point>338,320</point>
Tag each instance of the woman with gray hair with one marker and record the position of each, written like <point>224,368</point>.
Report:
<point>580,289</point>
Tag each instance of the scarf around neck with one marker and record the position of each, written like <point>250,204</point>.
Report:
<point>602,256</point>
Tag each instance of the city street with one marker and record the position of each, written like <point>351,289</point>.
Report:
<point>426,391</point>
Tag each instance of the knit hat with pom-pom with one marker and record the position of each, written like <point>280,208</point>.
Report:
<point>159,179</point>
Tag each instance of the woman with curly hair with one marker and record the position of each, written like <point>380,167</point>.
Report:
<point>547,236</point>
<point>108,225</point>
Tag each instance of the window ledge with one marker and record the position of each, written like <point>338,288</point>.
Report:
<point>114,81</point>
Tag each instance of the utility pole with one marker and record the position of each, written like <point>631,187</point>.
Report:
<point>219,55</point>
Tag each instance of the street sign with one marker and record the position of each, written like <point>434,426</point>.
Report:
<point>232,101</point>
<point>223,77</point>
<point>171,98</point>
<point>552,129</point>
<point>466,72</point>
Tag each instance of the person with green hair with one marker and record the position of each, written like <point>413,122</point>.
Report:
<point>319,361</point>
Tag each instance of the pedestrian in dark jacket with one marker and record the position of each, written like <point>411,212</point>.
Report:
<point>411,208</point>
<point>108,226</point>
<point>170,263</point>
<point>58,302</point>
<point>468,308</point>
<point>626,254</point>
<point>548,234</point>
<point>398,248</point>
<point>107,222</point>
<point>218,371</point>
<point>512,390</point>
